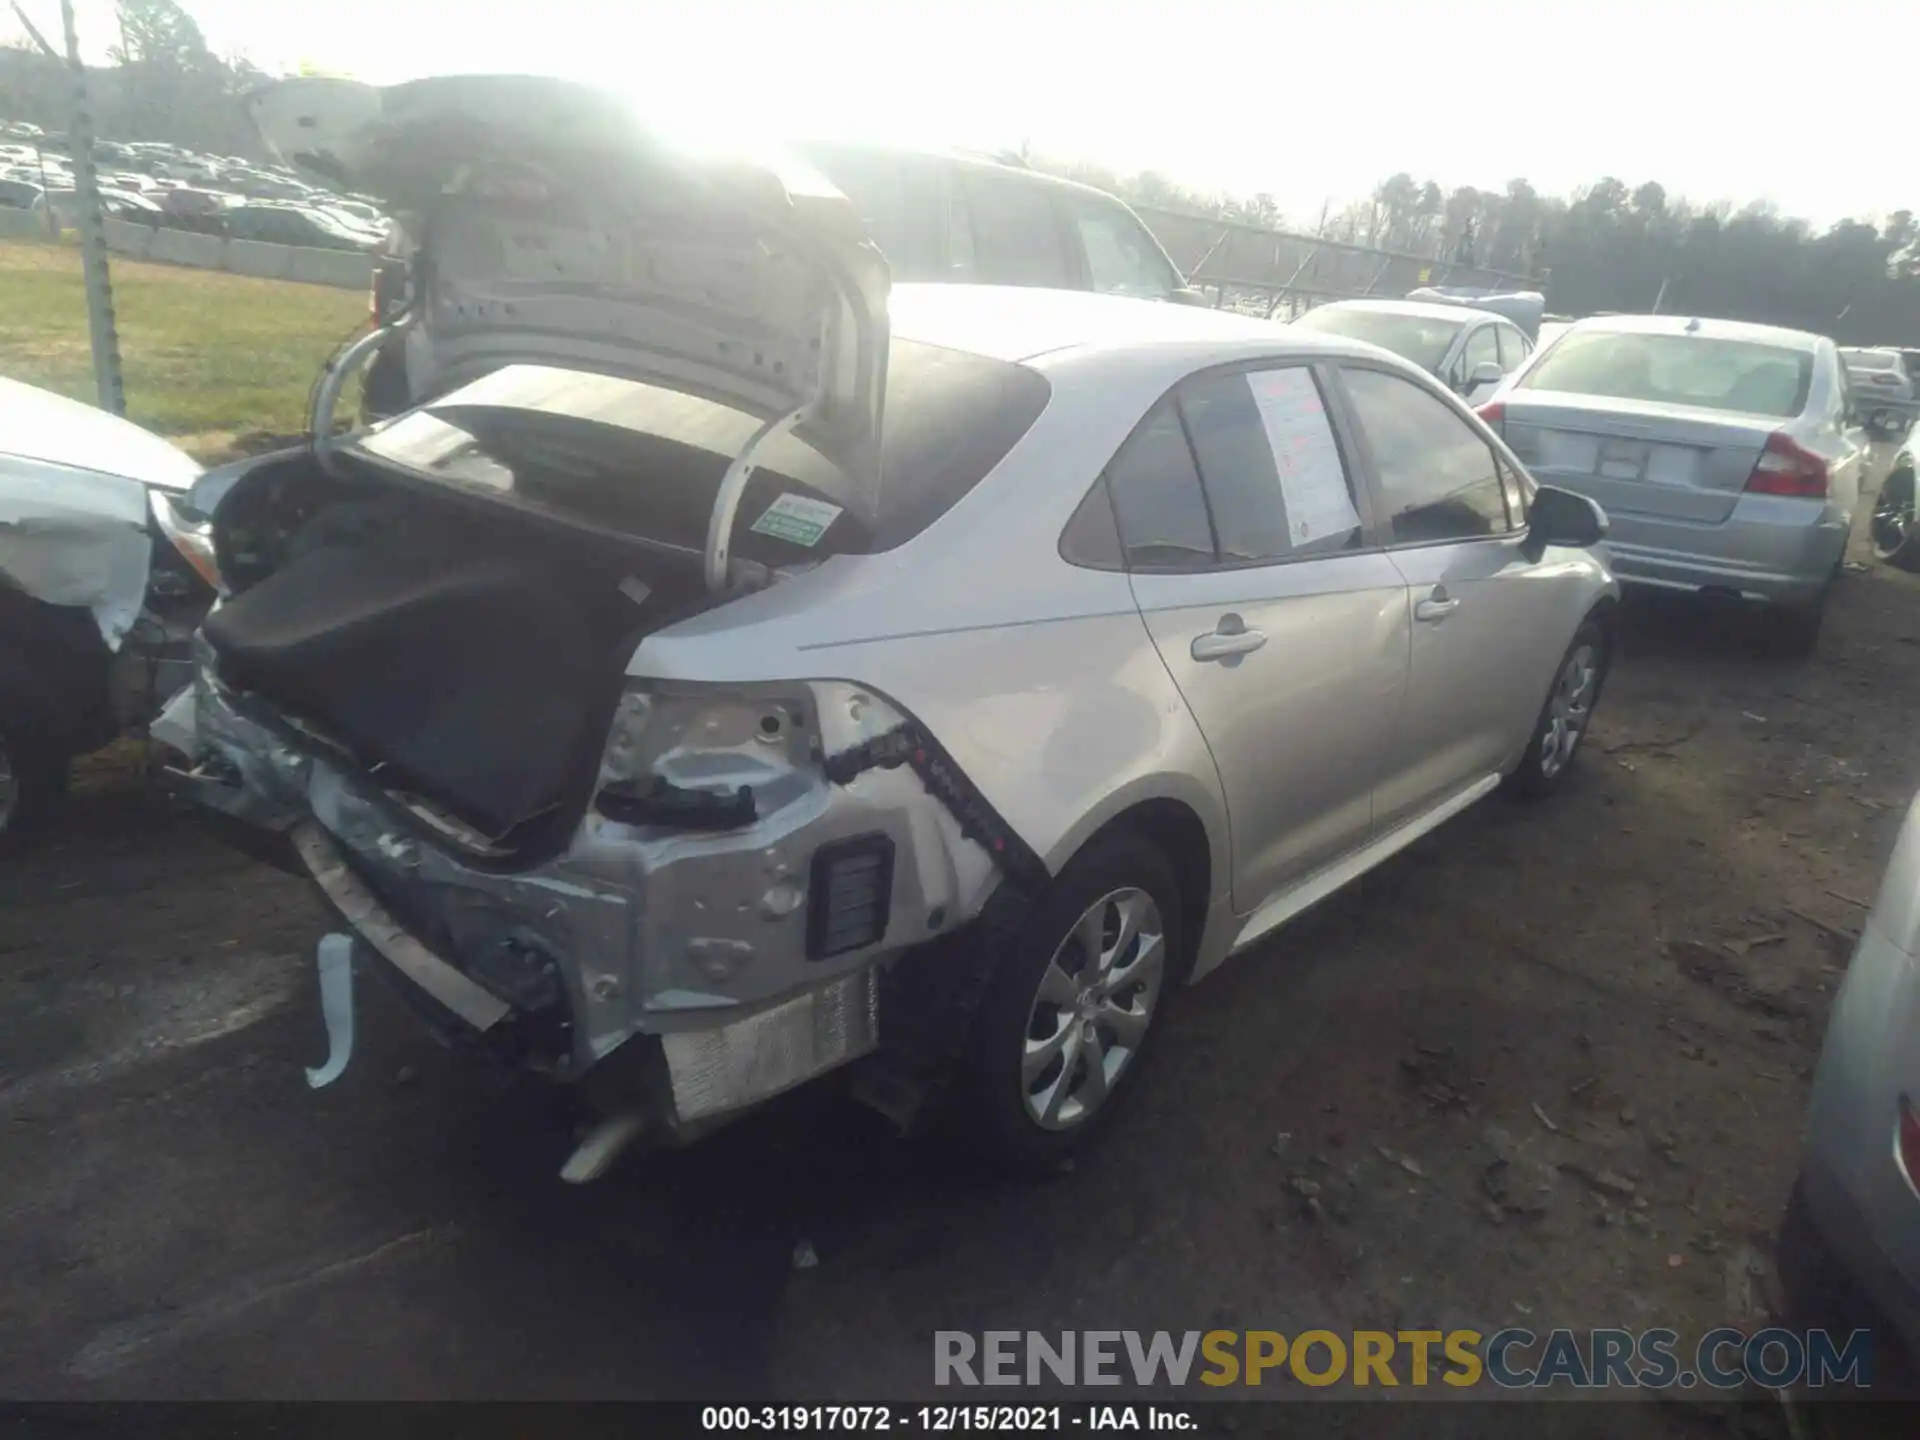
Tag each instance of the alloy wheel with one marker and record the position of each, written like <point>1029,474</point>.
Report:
<point>1092,1008</point>
<point>1569,709</point>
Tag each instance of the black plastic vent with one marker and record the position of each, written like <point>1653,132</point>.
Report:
<point>849,896</point>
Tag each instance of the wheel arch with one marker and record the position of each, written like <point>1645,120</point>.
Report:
<point>1173,813</point>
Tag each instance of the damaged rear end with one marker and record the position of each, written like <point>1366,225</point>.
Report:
<point>659,395</point>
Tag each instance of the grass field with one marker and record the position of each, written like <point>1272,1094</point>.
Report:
<point>207,357</point>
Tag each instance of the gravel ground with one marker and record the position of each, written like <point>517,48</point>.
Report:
<point>1545,1068</point>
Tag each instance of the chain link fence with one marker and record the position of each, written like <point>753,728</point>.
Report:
<point>1279,274</point>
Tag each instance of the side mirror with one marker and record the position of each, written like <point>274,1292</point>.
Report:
<point>1487,372</point>
<point>1560,517</point>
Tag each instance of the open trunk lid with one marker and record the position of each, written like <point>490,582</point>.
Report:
<point>554,230</point>
<point>1637,457</point>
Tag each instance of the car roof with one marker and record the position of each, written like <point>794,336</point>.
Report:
<point>1021,323</point>
<point>1687,325</point>
<point>1425,309</point>
<point>808,150</point>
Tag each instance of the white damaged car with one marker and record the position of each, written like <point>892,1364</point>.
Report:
<point>736,671</point>
<point>103,580</point>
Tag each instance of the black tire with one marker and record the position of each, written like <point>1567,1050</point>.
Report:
<point>33,780</point>
<point>1792,632</point>
<point>1896,524</point>
<point>1816,1291</point>
<point>992,1099</point>
<point>1534,777</point>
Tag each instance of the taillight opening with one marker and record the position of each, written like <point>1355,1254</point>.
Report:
<point>1785,467</point>
<point>1493,412</point>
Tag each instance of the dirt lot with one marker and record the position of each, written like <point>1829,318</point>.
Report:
<point>1619,994</point>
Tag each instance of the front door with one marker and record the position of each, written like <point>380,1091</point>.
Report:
<point>1488,623</point>
<point>1285,632</point>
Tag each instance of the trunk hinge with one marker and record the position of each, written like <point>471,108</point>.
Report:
<point>338,371</point>
<point>733,485</point>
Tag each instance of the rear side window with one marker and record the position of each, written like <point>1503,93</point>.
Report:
<point>1015,238</point>
<point>1437,476</point>
<point>950,418</point>
<point>1270,465</point>
<point>1513,347</point>
<point>1157,499</point>
<point>1740,376</point>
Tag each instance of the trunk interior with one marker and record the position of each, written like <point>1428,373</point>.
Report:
<point>1635,458</point>
<point>458,653</point>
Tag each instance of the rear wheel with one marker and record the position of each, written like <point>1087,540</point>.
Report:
<point>1564,718</point>
<point>1896,536</point>
<point>1075,1005</point>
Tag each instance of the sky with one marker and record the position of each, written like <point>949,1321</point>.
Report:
<point>1309,100</point>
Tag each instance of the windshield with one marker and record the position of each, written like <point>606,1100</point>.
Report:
<point>1422,339</point>
<point>1741,376</point>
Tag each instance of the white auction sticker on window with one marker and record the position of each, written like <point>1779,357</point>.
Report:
<point>797,519</point>
<point>1307,457</point>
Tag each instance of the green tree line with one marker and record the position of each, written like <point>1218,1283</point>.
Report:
<point>1609,247</point>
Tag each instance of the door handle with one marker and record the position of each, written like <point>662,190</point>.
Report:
<point>1229,638</point>
<point>1436,607</point>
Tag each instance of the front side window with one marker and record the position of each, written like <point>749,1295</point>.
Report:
<point>1271,468</point>
<point>1513,347</point>
<point>1015,238</point>
<point>1437,476</point>
<point>1481,348</point>
<point>1157,499</point>
<point>1122,258</point>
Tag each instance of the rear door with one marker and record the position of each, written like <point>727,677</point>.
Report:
<point>1283,626</point>
<point>1488,624</point>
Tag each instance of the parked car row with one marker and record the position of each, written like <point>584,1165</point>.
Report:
<point>166,186</point>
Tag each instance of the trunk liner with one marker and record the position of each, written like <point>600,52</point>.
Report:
<point>470,675</point>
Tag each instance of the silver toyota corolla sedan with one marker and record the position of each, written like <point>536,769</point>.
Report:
<point>1852,1231</point>
<point>719,684</point>
<point>1724,453</point>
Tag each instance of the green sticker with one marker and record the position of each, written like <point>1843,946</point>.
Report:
<point>797,520</point>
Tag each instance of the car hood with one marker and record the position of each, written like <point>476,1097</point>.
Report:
<point>37,424</point>
<point>75,487</point>
<point>553,229</point>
